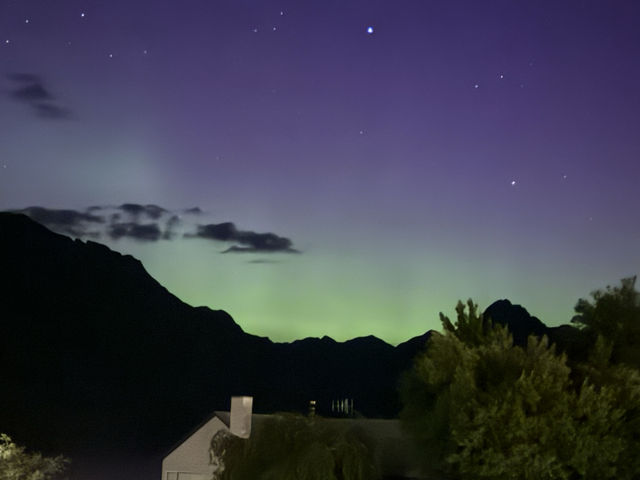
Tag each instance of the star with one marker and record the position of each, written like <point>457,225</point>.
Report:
<point>82,15</point>
<point>281,13</point>
<point>7,41</point>
<point>274,29</point>
<point>144,52</point>
<point>26,20</point>
<point>255,30</point>
<point>111,55</point>
<point>369,30</point>
<point>476,86</point>
<point>501,76</point>
<point>564,177</point>
<point>513,183</point>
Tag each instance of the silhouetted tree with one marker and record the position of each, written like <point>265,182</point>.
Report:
<point>613,314</point>
<point>480,407</point>
<point>17,464</point>
<point>293,447</point>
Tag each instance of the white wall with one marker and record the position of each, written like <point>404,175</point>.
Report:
<point>190,460</point>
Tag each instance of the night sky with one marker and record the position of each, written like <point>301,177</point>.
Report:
<point>376,160</point>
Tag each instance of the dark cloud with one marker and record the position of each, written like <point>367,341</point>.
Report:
<point>135,209</point>
<point>152,223</point>
<point>72,222</point>
<point>193,211</point>
<point>248,241</point>
<point>31,90</point>
<point>61,217</point>
<point>169,227</point>
<point>147,232</point>
<point>265,242</point>
<point>224,232</point>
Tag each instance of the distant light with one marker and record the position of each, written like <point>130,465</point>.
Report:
<point>82,15</point>
<point>501,75</point>
<point>476,86</point>
<point>26,20</point>
<point>7,41</point>
<point>369,30</point>
<point>281,12</point>
<point>513,182</point>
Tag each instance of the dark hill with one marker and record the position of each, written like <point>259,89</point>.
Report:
<point>521,324</point>
<point>97,355</point>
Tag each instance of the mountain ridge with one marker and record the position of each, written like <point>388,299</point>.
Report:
<point>87,331</point>
<point>99,356</point>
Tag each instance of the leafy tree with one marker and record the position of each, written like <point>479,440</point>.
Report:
<point>614,314</point>
<point>480,407</point>
<point>17,464</point>
<point>295,447</point>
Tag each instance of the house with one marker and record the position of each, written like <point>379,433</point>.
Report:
<point>192,459</point>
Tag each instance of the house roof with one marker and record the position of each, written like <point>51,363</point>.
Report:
<point>394,449</point>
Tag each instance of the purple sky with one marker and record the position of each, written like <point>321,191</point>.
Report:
<point>462,149</point>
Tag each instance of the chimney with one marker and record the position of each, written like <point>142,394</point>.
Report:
<point>240,417</point>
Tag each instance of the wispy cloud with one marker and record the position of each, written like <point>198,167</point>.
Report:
<point>71,222</point>
<point>248,241</point>
<point>147,232</point>
<point>30,89</point>
<point>152,223</point>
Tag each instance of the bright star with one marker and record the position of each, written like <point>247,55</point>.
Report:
<point>82,15</point>
<point>369,30</point>
<point>513,182</point>
<point>476,86</point>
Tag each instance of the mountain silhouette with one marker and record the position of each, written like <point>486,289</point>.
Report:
<point>98,357</point>
<point>521,325</point>
<point>97,354</point>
